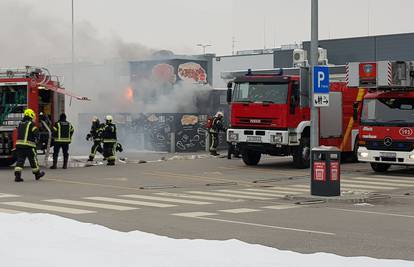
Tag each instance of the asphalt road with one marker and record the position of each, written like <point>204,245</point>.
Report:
<point>215,198</point>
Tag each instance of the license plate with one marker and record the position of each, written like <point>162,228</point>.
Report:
<point>254,139</point>
<point>388,154</point>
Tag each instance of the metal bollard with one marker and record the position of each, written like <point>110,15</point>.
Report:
<point>172,148</point>
<point>207,141</point>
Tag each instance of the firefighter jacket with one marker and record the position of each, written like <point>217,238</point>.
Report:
<point>217,125</point>
<point>95,131</point>
<point>108,133</point>
<point>62,132</point>
<point>26,133</point>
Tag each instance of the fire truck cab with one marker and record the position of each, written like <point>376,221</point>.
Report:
<point>387,119</point>
<point>29,87</point>
<point>270,114</point>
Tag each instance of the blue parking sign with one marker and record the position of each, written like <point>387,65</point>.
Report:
<point>321,80</point>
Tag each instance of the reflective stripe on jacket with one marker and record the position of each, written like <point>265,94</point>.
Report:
<point>26,133</point>
<point>62,132</point>
<point>109,133</point>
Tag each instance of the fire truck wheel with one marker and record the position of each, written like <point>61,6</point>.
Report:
<point>380,167</point>
<point>251,157</point>
<point>301,155</point>
<point>7,162</point>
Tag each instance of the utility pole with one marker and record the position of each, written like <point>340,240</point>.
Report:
<point>314,55</point>
<point>233,46</point>
<point>73,49</point>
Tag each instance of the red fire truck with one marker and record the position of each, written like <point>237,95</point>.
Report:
<point>29,87</point>
<point>387,119</point>
<point>270,114</point>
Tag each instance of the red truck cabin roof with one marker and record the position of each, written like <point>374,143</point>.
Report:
<point>263,79</point>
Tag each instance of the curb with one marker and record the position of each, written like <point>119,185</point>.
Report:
<point>354,198</point>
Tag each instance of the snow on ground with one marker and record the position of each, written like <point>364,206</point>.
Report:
<point>46,240</point>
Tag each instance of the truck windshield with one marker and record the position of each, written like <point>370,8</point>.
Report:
<point>13,100</point>
<point>261,92</point>
<point>388,111</point>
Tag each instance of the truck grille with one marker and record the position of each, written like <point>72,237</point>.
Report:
<point>254,121</point>
<point>395,146</point>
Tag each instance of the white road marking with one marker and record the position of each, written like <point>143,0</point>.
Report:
<point>393,181</point>
<point>201,216</point>
<point>194,214</point>
<point>173,200</point>
<point>47,207</point>
<point>90,204</point>
<point>273,191</point>
<point>350,185</point>
<point>281,207</point>
<point>132,202</point>
<point>221,199</point>
<point>2,195</point>
<point>251,193</point>
<point>304,186</point>
<point>379,183</point>
<point>209,193</point>
<point>364,186</point>
<point>376,213</point>
<point>393,178</point>
<point>240,210</point>
<point>10,211</point>
<point>293,189</point>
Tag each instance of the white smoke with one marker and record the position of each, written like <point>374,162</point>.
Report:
<point>101,66</point>
<point>29,38</point>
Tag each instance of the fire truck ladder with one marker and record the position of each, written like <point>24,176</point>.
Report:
<point>36,73</point>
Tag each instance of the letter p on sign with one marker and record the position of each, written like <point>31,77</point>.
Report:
<point>321,80</point>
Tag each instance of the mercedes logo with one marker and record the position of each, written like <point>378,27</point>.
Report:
<point>388,141</point>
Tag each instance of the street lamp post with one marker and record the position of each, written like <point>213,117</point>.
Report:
<point>73,50</point>
<point>204,46</point>
<point>73,44</point>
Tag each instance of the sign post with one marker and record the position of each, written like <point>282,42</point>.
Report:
<point>314,58</point>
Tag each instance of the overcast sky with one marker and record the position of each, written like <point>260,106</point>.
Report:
<point>180,24</point>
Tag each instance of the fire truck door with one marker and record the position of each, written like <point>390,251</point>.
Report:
<point>59,106</point>
<point>331,117</point>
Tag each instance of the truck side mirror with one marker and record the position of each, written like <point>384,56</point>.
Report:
<point>229,92</point>
<point>356,107</point>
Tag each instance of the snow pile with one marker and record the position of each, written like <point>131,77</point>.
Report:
<point>46,240</point>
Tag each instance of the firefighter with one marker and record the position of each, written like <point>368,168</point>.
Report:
<point>26,146</point>
<point>95,135</point>
<point>62,134</point>
<point>216,127</point>
<point>109,140</point>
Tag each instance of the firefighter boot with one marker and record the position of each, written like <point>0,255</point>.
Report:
<point>39,175</point>
<point>91,158</point>
<point>18,177</point>
<point>54,165</point>
<point>65,162</point>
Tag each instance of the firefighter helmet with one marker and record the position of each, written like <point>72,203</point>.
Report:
<point>108,118</point>
<point>94,119</point>
<point>219,114</point>
<point>29,113</point>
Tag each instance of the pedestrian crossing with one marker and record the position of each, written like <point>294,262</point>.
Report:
<point>238,200</point>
